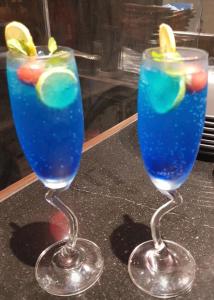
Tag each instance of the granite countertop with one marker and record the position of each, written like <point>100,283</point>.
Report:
<point>114,200</point>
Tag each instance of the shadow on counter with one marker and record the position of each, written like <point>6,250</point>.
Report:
<point>127,236</point>
<point>27,246</point>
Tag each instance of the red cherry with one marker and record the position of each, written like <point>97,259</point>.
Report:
<point>59,226</point>
<point>196,78</point>
<point>29,73</point>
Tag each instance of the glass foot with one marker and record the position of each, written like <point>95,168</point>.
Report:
<point>67,281</point>
<point>163,275</point>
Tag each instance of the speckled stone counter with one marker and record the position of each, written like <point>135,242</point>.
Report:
<point>114,200</point>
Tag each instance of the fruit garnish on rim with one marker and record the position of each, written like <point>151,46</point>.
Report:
<point>55,84</point>
<point>166,39</point>
<point>170,81</point>
<point>195,77</point>
<point>18,38</point>
<point>167,44</point>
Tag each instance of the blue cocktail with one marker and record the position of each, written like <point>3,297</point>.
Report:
<point>169,133</point>
<point>51,133</point>
<point>171,111</point>
<point>47,109</point>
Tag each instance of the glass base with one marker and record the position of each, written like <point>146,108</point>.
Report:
<point>162,276</point>
<point>56,184</point>
<point>67,281</point>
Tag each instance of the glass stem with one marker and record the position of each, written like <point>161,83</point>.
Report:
<point>175,199</point>
<point>68,256</point>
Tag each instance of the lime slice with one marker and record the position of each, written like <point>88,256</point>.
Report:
<point>181,92</point>
<point>165,87</point>
<point>57,87</point>
<point>18,31</point>
<point>166,39</point>
<point>163,91</point>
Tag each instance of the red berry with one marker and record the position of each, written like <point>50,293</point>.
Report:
<point>196,78</point>
<point>30,72</point>
<point>59,226</point>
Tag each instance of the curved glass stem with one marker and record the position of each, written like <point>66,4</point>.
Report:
<point>162,269</point>
<point>70,266</point>
<point>67,256</point>
<point>175,199</point>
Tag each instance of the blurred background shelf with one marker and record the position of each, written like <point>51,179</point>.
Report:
<point>108,37</point>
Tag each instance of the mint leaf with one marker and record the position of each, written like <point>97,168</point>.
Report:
<point>14,44</point>
<point>165,55</point>
<point>61,58</point>
<point>157,56</point>
<point>52,45</point>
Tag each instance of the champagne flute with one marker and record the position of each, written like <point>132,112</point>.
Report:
<point>171,111</point>
<point>47,110</point>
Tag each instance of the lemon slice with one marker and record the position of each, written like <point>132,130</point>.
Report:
<point>166,39</point>
<point>18,31</point>
<point>169,88</point>
<point>57,87</point>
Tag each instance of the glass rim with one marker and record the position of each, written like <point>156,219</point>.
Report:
<point>21,56</point>
<point>201,54</point>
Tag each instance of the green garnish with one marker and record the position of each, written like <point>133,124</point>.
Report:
<point>52,45</point>
<point>157,56</point>
<point>61,59</point>
<point>14,44</point>
<point>18,38</point>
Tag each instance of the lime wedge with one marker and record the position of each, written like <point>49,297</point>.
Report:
<point>18,31</point>
<point>166,39</point>
<point>57,87</point>
<point>163,91</point>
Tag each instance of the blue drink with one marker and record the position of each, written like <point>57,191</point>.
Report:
<point>171,111</point>
<point>47,109</point>
<point>48,115</point>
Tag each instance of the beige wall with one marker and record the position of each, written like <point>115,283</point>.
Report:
<point>208,16</point>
